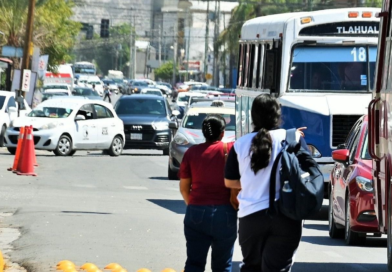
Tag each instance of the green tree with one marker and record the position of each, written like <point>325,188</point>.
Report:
<point>165,72</point>
<point>53,32</point>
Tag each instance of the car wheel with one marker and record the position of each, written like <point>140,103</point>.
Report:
<point>389,232</point>
<point>72,153</point>
<point>166,151</point>
<point>64,146</point>
<point>172,175</point>
<point>116,147</point>
<point>12,150</point>
<point>2,133</point>
<point>350,237</point>
<point>334,232</point>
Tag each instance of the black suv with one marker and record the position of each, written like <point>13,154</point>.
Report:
<point>148,121</point>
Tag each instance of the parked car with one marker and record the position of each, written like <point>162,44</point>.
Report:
<point>351,209</point>
<point>65,126</point>
<point>57,87</point>
<point>148,121</point>
<point>9,112</point>
<point>86,92</point>
<point>189,133</point>
<point>226,91</point>
<point>136,86</point>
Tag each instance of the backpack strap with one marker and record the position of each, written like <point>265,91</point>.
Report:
<point>225,151</point>
<point>272,209</point>
<point>291,140</point>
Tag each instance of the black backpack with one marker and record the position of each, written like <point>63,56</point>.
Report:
<point>302,183</point>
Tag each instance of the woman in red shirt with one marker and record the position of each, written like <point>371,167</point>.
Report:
<point>211,217</point>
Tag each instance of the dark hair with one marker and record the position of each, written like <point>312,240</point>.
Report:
<point>265,116</point>
<point>213,126</point>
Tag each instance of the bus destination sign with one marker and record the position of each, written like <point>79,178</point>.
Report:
<point>349,29</point>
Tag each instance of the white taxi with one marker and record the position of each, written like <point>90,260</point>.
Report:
<point>9,111</point>
<point>67,125</point>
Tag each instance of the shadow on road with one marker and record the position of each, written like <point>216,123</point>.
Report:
<point>159,178</point>
<point>338,267</point>
<point>371,242</point>
<point>327,267</point>
<point>176,206</point>
<point>316,227</point>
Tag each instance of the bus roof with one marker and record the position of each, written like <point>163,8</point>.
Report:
<point>271,26</point>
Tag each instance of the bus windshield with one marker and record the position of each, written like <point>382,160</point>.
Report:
<point>333,68</point>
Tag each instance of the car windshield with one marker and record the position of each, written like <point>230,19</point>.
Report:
<point>57,87</point>
<point>84,92</point>
<point>184,98</point>
<point>140,107</point>
<point>50,112</point>
<point>333,68</point>
<point>365,149</point>
<point>46,96</point>
<point>94,82</point>
<point>195,121</point>
<point>140,83</point>
<point>2,99</point>
<point>118,80</point>
<point>152,92</point>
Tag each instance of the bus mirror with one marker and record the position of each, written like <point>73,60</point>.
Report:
<point>270,70</point>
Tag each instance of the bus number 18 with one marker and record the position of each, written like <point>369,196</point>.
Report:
<point>360,54</point>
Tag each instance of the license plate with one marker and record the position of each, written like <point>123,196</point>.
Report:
<point>136,136</point>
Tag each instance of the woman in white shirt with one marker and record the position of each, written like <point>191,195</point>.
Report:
<point>268,243</point>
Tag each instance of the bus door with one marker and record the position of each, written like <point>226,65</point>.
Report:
<point>378,112</point>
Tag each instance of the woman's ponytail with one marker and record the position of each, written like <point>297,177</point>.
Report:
<point>265,116</point>
<point>260,150</point>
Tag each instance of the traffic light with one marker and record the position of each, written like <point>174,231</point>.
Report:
<point>104,28</point>
<point>89,32</point>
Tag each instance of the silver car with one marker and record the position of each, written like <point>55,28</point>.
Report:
<point>189,133</point>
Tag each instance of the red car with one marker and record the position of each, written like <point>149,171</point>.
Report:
<point>351,209</point>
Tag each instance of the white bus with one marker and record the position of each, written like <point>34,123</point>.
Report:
<point>84,68</point>
<point>320,65</point>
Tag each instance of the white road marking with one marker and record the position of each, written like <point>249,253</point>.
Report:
<point>84,185</point>
<point>333,254</point>
<point>135,188</point>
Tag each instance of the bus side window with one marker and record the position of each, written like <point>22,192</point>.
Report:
<point>251,64</point>
<point>260,64</point>
<point>240,66</point>
<point>246,65</point>
<point>255,66</point>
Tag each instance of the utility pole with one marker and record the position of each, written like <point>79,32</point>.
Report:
<point>175,53</point>
<point>206,40</point>
<point>134,48</point>
<point>130,49</point>
<point>160,45</point>
<point>27,43</point>
<point>189,43</point>
<point>215,61</point>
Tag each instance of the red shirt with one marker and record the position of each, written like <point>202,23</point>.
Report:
<point>205,165</point>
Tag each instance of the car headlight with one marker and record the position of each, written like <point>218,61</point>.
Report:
<point>160,125</point>
<point>364,184</point>
<point>314,152</point>
<point>49,126</point>
<point>180,139</point>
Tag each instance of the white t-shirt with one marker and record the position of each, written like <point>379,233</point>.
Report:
<point>254,194</point>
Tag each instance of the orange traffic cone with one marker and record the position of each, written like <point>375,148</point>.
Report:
<point>35,157</point>
<point>18,149</point>
<point>26,161</point>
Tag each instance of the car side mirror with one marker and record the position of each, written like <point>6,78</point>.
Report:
<point>341,146</point>
<point>80,117</point>
<point>176,112</point>
<point>341,155</point>
<point>173,125</point>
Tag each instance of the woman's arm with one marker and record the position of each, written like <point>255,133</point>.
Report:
<point>185,189</point>
<point>233,183</point>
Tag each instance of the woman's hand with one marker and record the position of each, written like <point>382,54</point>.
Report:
<point>300,131</point>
